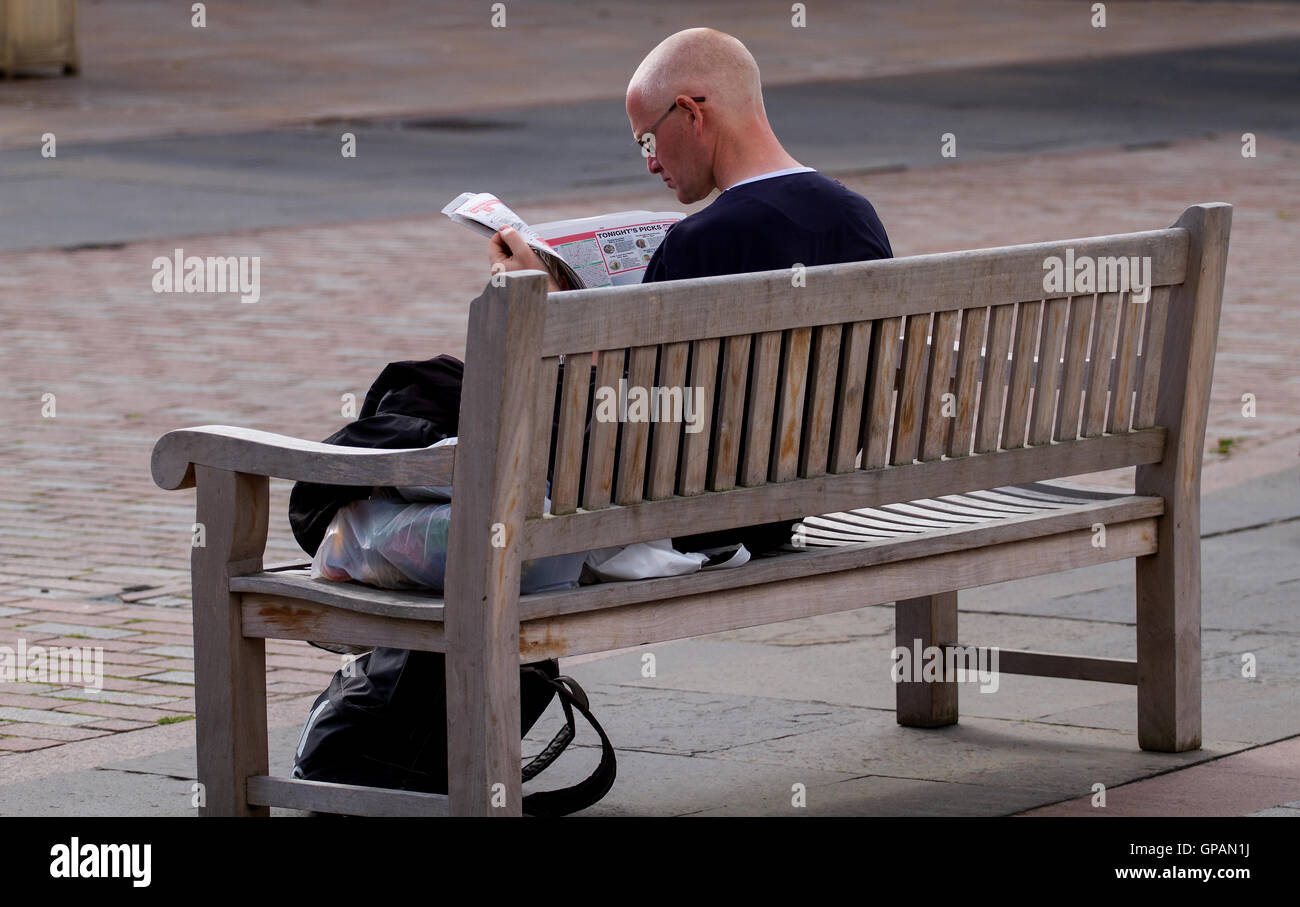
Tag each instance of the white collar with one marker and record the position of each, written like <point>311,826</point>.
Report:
<point>766,176</point>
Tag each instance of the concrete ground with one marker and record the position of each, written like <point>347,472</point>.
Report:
<point>210,140</point>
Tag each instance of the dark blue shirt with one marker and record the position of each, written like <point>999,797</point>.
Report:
<point>771,224</point>
<point>768,225</point>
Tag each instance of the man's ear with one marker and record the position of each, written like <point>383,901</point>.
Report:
<point>692,109</point>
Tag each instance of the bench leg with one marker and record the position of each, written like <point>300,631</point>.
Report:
<point>931,619</point>
<point>1169,645</point>
<point>229,669</point>
<point>483,745</point>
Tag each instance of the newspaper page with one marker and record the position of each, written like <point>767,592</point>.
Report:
<point>610,249</point>
<point>484,213</point>
<point>606,250</point>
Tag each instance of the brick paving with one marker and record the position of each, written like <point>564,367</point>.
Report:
<point>81,522</point>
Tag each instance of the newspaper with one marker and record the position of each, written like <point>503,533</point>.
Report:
<point>583,253</point>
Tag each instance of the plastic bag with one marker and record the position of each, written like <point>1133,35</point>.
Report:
<point>394,544</point>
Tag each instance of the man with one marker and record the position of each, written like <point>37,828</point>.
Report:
<point>695,105</point>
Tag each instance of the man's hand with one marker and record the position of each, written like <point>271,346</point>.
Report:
<point>507,251</point>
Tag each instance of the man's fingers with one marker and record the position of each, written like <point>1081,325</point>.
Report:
<point>514,243</point>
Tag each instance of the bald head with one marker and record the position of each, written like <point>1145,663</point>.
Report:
<point>699,61</point>
<point>699,96</point>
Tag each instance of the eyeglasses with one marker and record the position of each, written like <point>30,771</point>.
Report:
<point>647,138</point>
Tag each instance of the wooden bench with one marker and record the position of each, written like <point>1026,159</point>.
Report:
<point>803,371</point>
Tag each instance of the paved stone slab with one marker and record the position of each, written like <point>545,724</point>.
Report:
<point>170,651</point>
<point>689,723</point>
<point>50,628</point>
<point>880,796</point>
<point>182,762</point>
<point>185,677</point>
<point>114,696</point>
<point>1214,789</point>
<point>1028,755</point>
<point>660,784</point>
<point>38,716</point>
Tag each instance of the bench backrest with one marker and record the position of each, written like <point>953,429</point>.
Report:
<point>949,372</point>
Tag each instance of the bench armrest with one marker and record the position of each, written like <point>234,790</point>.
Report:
<point>264,453</point>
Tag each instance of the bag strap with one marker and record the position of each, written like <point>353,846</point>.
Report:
<point>561,802</point>
<point>558,743</point>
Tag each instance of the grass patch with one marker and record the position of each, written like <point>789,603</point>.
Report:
<point>175,720</point>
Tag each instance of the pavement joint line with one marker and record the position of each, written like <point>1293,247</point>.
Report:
<point>139,771</point>
<point>1179,768</point>
<point>1280,521</point>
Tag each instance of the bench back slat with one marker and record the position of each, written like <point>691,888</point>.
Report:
<point>846,427</point>
<point>1070,408</point>
<point>569,440</point>
<point>1024,372</point>
<point>877,411</point>
<point>804,388</point>
<point>547,394</point>
<point>909,409</point>
<point>974,323</point>
<point>760,407</point>
<point>814,452</point>
<point>1055,314</point>
<point>1153,341</point>
<point>665,434</point>
<point>993,391</point>
<point>1126,364</point>
<point>598,481</point>
<point>731,413</point>
<point>1104,325</point>
<point>634,441</point>
<point>788,419</point>
<point>697,434</point>
<point>943,361</point>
